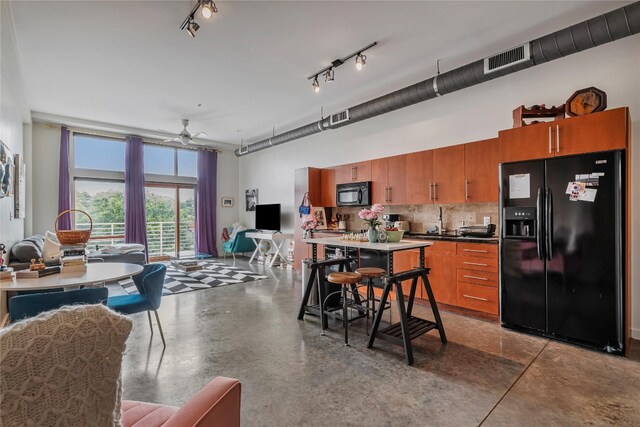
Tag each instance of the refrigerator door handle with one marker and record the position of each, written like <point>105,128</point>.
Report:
<point>549,223</point>
<point>539,227</point>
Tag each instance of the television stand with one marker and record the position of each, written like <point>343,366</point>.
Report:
<point>277,239</point>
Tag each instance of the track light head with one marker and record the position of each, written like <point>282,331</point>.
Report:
<point>192,27</point>
<point>329,75</point>
<point>316,85</point>
<point>208,8</point>
<point>361,60</point>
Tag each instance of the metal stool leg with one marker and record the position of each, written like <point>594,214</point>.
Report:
<point>345,314</point>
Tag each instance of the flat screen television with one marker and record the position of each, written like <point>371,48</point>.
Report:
<point>268,217</point>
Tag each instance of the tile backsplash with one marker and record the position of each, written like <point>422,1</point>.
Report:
<point>470,213</point>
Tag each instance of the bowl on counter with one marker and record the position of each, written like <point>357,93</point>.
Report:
<point>394,236</point>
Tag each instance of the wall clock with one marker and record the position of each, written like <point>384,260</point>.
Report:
<point>585,101</point>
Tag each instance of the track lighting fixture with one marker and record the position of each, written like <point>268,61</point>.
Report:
<point>192,28</point>
<point>360,61</point>
<point>207,9</point>
<point>328,71</point>
<point>329,75</point>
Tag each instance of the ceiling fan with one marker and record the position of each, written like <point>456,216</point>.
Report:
<point>185,137</point>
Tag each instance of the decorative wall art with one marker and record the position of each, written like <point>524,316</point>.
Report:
<point>19,187</point>
<point>251,198</point>
<point>226,202</point>
<point>321,218</point>
<point>6,171</point>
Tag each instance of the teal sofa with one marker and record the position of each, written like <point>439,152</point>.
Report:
<point>239,244</point>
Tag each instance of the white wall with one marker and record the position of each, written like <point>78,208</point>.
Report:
<point>471,114</point>
<point>46,146</point>
<point>13,113</point>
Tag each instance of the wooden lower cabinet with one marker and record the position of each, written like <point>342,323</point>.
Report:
<point>442,277</point>
<point>478,297</point>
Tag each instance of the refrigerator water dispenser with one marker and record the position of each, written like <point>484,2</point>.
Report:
<point>519,222</point>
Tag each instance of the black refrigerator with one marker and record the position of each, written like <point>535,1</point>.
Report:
<point>561,248</point>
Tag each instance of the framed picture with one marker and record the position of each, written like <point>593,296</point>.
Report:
<point>226,202</point>
<point>251,199</point>
<point>321,218</point>
<point>6,171</point>
<point>19,187</point>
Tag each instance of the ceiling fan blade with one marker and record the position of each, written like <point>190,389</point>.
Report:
<point>199,134</point>
<point>171,140</point>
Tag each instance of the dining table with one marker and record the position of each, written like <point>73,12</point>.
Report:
<point>409,327</point>
<point>96,273</point>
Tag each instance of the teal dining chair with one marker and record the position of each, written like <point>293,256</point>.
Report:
<point>26,306</point>
<point>149,284</point>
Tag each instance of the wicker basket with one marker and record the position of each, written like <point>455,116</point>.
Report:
<point>73,237</point>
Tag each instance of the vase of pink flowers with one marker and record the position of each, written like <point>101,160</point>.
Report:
<point>370,217</point>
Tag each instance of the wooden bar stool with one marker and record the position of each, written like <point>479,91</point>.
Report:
<point>371,273</point>
<point>346,279</point>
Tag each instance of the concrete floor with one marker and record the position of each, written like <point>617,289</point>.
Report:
<point>291,376</point>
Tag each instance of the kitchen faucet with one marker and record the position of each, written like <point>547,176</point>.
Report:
<point>442,230</point>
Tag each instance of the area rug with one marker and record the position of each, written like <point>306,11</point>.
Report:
<point>212,275</point>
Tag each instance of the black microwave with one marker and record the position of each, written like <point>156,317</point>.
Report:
<point>353,194</point>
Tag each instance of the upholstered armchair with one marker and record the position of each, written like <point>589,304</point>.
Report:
<point>239,244</point>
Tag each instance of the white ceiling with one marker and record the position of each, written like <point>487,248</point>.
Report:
<point>127,62</point>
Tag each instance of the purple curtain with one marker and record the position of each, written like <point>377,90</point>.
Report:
<point>206,205</point>
<point>64,189</point>
<point>135,210</point>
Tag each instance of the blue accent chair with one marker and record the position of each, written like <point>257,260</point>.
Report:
<point>25,306</point>
<point>239,244</point>
<point>149,283</point>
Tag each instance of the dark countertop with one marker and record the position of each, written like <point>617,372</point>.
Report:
<point>420,236</point>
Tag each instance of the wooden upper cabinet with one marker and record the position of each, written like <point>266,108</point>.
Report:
<point>481,171</point>
<point>603,131</point>
<point>419,177</point>
<point>396,180</point>
<point>353,172</point>
<point>327,187</point>
<point>361,171</point>
<point>526,143</point>
<point>379,177</point>
<point>448,174</point>
<point>343,174</point>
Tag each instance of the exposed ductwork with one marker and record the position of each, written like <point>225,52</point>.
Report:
<point>614,25</point>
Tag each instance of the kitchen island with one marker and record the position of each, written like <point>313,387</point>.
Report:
<point>409,327</point>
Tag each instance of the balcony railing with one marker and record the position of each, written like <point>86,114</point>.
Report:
<point>161,236</point>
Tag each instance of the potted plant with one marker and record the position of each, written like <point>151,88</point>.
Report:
<point>370,217</point>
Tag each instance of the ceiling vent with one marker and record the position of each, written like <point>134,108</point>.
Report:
<point>244,149</point>
<point>342,116</point>
<point>507,58</point>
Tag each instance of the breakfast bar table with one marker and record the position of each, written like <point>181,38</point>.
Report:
<point>409,327</point>
<point>96,273</point>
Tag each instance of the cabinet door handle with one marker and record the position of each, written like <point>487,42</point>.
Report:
<point>435,191</point>
<point>476,250</point>
<point>466,189</point>
<point>430,192</point>
<point>475,263</point>
<point>353,173</point>
<point>550,143</point>
<point>557,138</point>
<point>472,297</point>
<point>390,194</point>
<point>474,277</point>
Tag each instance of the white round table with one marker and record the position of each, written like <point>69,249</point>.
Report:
<point>96,273</point>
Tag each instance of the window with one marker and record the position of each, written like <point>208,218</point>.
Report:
<point>99,153</point>
<point>104,201</point>
<point>187,163</point>
<point>169,161</point>
<point>159,160</point>
<point>170,175</point>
